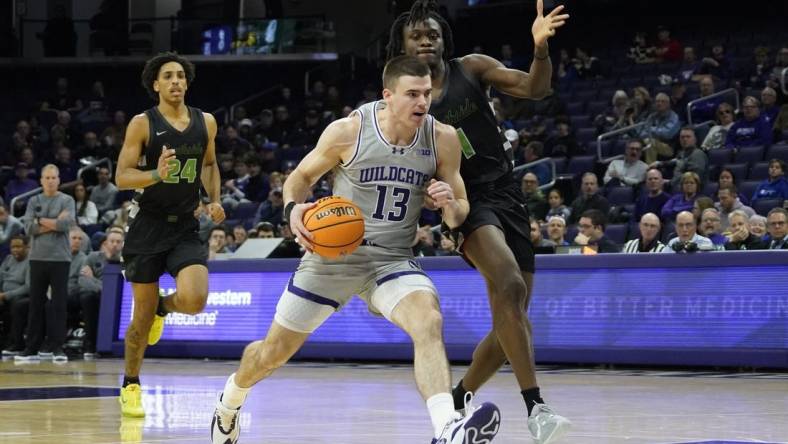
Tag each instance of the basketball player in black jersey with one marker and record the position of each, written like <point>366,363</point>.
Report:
<point>168,153</point>
<point>495,236</point>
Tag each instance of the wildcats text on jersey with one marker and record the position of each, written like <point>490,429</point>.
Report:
<point>394,174</point>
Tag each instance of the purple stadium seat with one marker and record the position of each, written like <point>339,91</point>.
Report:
<point>571,233</point>
<point>778,151</point>
<point>711,189</point>
<point>620,195</point>
<point>575,108</point>
<point>596,107</point>
<point>633,231</point>
<point>748,187</point>
<point>585,96</point>
<point>581,164</point>
<point>759,171</point>
<point>749,154</point>
<point>585,136</point>
<point>578,121</point>
<point>720,157</point>
<point>560,164</point>
<point>617,233</point>
<point>763,206</point>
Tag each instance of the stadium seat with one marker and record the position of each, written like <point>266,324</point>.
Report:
<point>778,151</point>
<point>581,164</point>
<point>763,206</point>
<point>739,170</point>
<point>617,233</point>
<point>596,107</point>
<point>586,96</point>
<point>245,210</point>
<point>620,195</point>
<point>749,154</point>
<point>720,157</point>
<point>585,136</point>
<point>747,188</point>
<point>578,121</point>
<point>560,164</point>
<point>575,108</point>
<point>759,171</point>
<point>710,189</point>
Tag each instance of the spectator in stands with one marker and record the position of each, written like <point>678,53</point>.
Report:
<point>717,65</point>
<point>629,171</point>
<point>781,121</point>
<point>770,107</point>
<point>556,230</point>
<point>688,240</point>
<point>668,49</point>
<point>760,68</point>
<point>63,160</point>
<point>701,204</point>
<point>104,194</point>
<point>777,224</point>
<point>90,146</point>
<point>592,232</point>
<point>9,227</point>
<point>715,138</point>
<point>727,177</point>
<point>77,242</point>
<point>643,103</point>
<point>235,189</point>
<point>751,130</point>
<point>283,126</point>
<point>266,230</point>
<point>758,226</point>
<point>90,286</point>
<point>257,187</point>
<point>20,184</point>
<point>587,66</point>
<point>589,198</point>
<point>240,234</point>
<point>333,102</point>
<point>233,143</point>
<point>780,63</point>
<point>271,209</point>
<point>518,151</point>
<point>565,73</point>
<point>562,142</point>
<point>689,159</point>
<point>679,99</point>
<point>640,52</point>
<point>264,128</point>
<point>87,214</point>
<point>114,135</point>
<point>289,247</point>
<point>15,295</point>
<point>711,228</point>
<point>309,131</point>
<point>659,129</point>
<point>425,242</point>
<point>48,219</point>
<point>536,236</point>
<point>685,200</point>
<point>739,236</point>
<point>705,110</point>
<point>532,153</point>
<point>23,136</point>
<point>534,199</point>
<point>557,208</point>
<point>775,187</point>
<point>729,203</point>
<point>690,66</point>
<point>245,130</point>
<point>447,247</point>
<point>217,241</point>
<point>648,241</point>
<point>620,114</point>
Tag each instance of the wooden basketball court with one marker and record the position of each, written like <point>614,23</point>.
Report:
<point>353,404</point>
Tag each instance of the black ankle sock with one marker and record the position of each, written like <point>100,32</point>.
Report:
<point>459,396</point>
<point>160,310</point>
<point>531,397</point>
<point>127,380</point>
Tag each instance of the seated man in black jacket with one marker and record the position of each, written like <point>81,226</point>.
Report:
<point>592,232</point>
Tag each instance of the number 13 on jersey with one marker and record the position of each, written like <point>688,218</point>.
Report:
<point>399,198</point>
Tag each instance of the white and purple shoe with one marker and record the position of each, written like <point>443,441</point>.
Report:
<point>478,426</point>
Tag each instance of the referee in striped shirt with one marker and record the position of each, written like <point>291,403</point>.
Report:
<point>648,241</point>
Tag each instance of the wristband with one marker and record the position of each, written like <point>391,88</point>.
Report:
<point>156,175</point>
<point>546,56</point>
<point>287,211</point>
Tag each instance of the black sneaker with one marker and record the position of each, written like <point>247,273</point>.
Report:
<point>59,356</point>
<point>27,356</point>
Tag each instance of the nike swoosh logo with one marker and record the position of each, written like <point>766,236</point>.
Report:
<point>160,133</point>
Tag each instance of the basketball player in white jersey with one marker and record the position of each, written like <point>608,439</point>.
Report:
<point>385,156</point>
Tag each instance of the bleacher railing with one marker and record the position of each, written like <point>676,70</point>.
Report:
<point>516,171</point>
<point>253,98</point>
<point>724,92</point>
<point>601,138</point>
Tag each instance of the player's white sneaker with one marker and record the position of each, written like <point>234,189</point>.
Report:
<point>224,427</point>
<point>479,426</point>
<point>545,426</point>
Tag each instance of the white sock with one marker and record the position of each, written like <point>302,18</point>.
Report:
<point>441,408</point>
<point>233,396</point>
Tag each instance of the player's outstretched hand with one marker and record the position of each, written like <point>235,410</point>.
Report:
<point>303,236</point>
<point>216,212</point>
<point>163,167</point>
<point>544,26</point>
<point>440,193</point>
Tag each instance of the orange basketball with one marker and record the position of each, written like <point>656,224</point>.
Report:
<point>337,226</point>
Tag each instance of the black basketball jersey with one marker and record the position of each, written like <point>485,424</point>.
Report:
<point>465,104</point>
<point>180,192</point>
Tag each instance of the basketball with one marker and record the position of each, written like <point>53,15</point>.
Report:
<point>337,226</point>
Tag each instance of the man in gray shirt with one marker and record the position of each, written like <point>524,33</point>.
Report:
<point>9,227</point>
<point>689,159</point>
<point>48,219</point>
<point>14,286</point>
<point>103,194</point>
<point>90,286</point>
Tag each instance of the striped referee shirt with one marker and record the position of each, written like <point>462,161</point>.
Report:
<point>633,246</point>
